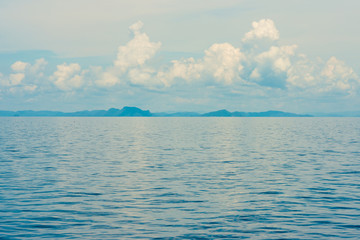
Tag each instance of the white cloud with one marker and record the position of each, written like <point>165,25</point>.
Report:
<point>16,78</point>
<point>13,79</point>
<point>38,67</point>
<point>265,28</point>
<point>136,27</point>
<point>107,79</point>
<point>187,69</point>
<point>339,76</point>
<point>68,76</point>
<point>302,73</point>
<point>269,68</point>
<point>336,69</point>
<point>222,62</point>
<point>130,62</point>
<point>19,66</point>
<point>103,78</point>
<point>137,51</point>
<point>334,76</point>
<point>278,56</point>
<point>21,71</point>
<point>141,76</point>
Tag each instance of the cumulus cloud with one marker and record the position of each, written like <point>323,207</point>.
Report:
<point>130,61</point>
<point>221,62</point>
<point>141,76</point>
<point>278,56</point>
<point>186,69</point>
<point>107,79</point>
<point>137,51</point>
<point>270,68</point>
<point>19,66</point>
<point>265,28</point>
<point>16,78</point>
<point>38,67</point>
<point>23,76</point>
<point>333,76</point>
<point>136,27</point>
<point>336,70</point>
<point>68,77</point>
<point>339,76</point>
<point>302,73</point>
<point>12,80</point>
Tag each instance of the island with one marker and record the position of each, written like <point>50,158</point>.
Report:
<point>137,112</point>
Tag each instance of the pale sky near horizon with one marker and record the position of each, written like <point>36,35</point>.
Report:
<point>297,56</point>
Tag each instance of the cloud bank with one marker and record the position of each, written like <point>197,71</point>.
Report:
<point>258,65</point>
<point>24,77</point>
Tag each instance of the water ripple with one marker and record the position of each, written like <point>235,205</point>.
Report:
<point>179,178</point>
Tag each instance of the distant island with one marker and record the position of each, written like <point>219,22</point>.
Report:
<point>137,112</point>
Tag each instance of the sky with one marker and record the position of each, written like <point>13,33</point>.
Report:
<point>172,55</point>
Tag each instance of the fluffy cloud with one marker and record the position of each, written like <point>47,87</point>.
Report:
<point>221,62</point>
<point>302,73</point>
<point>14,82</point>
<point>339,76</point>
<point>38,67</point>
<point>68,76</point>
<point>13,79</point>
<point>187,69</point>
<point>19,66</point>
<point>16,78</point>
<point>107,79</point>
<point>318,77</point>
<point>279,57</point>
<point>137,51</point>
<point>265,28</point>
<point>141,76</point>
<point>35,69</point>
<point>129,64</point>
<point>337,70</point>
<point>270,68</point>
<point>21,71</point>
<point>103,78</point>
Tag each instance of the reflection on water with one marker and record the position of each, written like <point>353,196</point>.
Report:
<point>209,178</point>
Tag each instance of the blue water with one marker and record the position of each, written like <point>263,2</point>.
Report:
<point>180,178</point>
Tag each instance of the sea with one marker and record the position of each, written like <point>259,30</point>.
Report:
<point>179,178</point>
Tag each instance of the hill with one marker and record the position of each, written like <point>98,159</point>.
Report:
<point>137,112</point>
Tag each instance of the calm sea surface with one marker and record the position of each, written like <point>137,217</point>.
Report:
<point>180,178</point>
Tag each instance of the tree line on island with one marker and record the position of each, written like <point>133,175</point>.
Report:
<point>137,112</point>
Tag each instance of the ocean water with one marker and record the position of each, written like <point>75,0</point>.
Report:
<point>179,178</point>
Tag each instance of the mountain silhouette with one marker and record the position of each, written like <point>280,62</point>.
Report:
<point>128,112</point>
<point>220,113</point>
<point>137,112</point>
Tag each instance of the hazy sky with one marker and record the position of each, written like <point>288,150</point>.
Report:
<point>162,55</point>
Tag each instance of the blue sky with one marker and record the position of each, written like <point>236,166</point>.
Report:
<point>297,56</point>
